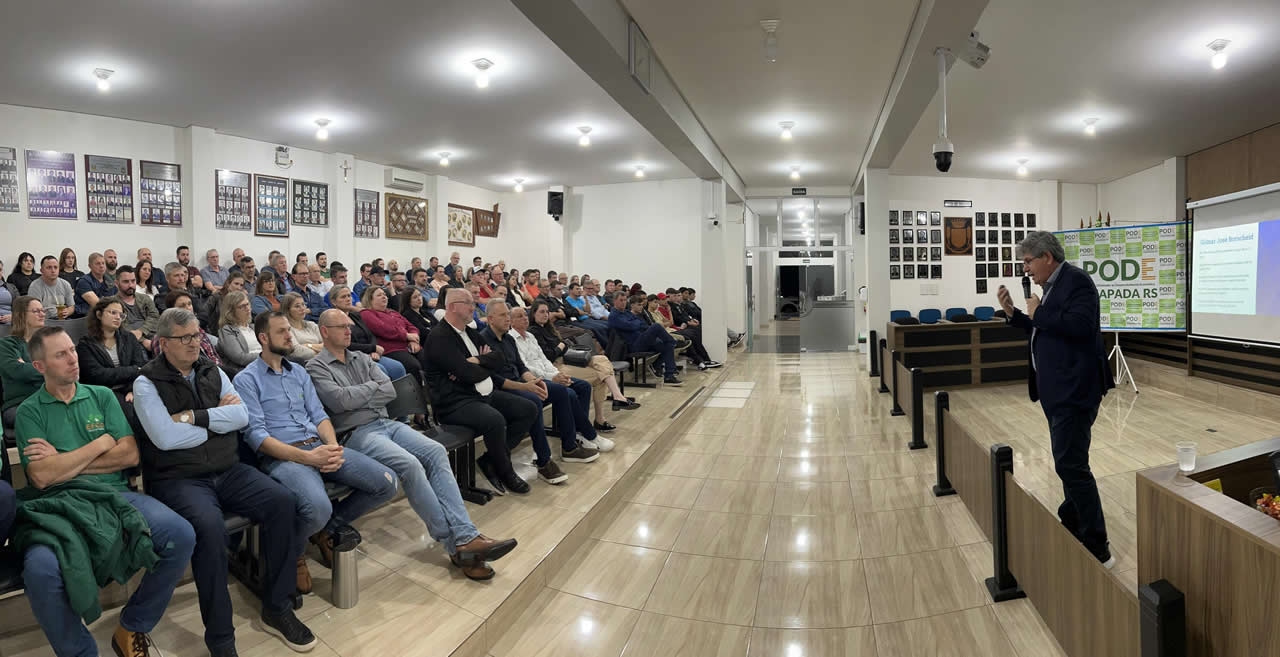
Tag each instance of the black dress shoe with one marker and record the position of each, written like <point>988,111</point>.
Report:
<point>485,465</point>
<point>625,406</point>
<point>630,400</point>
<point>603,427</point>
<point>515,484</point>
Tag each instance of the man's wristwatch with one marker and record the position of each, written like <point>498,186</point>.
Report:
<point>185,418</point>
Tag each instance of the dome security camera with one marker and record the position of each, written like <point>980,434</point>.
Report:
<point>942,152</point>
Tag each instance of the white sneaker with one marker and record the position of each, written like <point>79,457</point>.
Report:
<point>600,444</point>
<point>1109,563</point>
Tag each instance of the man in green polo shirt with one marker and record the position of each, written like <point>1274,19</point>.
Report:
<point>68,430</point>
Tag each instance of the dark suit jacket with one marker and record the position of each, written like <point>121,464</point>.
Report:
<point>451,379</point>
<point>1070,371</point>
<point>97,369</point>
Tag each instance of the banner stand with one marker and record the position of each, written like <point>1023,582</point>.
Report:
<point>1122,365</point>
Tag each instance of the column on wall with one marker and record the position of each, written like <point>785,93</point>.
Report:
<point>196,150</point>
<point>339,236</point>
<point>713,289</point>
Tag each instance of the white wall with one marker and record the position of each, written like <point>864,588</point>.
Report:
<point>958,284</point>
<point>735,225</point>
<point>1079,201</point>
<point>1154,195</point>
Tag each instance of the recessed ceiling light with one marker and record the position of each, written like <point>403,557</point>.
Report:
<point>104,78</point>
<point>585,139</point>
<point>444,158</point>
<point>482,72</point>
<point>1219,48</point>
<point>786,129</point>
<point>1090,126</point>
<point>1022,167</point>
<point>519,184</point>
<point>639,170</point>
<point>795,172</point>
<point>322,133</point>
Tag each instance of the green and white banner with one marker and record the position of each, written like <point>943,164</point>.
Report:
<point>1140,271</point>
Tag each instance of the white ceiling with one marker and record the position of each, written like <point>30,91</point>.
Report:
<point>836,59</point>
<point>1140,66</point>
<point>393,76</point>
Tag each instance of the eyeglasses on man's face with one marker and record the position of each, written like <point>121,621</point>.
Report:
<point>186,340</point>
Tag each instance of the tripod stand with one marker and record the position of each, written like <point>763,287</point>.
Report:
<point>1122,365</point>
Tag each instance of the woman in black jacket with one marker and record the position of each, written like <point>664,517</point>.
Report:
<point>598,373</point>
<point>413,307</point>
<point>24,271</point>
<point>109,355</point>
<point>362,339</point>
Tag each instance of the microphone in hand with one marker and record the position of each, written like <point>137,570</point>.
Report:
<point>1026,287</point>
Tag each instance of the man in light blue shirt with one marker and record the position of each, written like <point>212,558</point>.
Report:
<point>583,318</point>
<point>595,307</point>
<point>298,448</point>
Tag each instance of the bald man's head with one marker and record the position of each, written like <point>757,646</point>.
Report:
<point>459,305</point>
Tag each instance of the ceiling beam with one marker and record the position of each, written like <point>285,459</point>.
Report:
<point>594,34</point>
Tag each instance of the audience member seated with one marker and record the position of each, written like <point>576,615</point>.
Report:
<point>600,369</point>
<point>355,393</point>
<point>377,278</point>
<point>297,446</point>
<point>399,283</point>
<point>568,401</point>
<point>337,276</point>
<point>213,274</point>
<point>264,293</point>
<point>666,313</point>
<point>24,271</point>
<point>176,278</point>
<point>536,361</point>
<point>190,456</point>
<point>641,336</point>
<point>140,315</point>
<point>306,334</point>
<point>54,293</point>
<point>597,307</point>
<point>144,254</point>
<point>93,287</point>
<point>208,343</point>
<point>464,392</point>
<point>75,435</point>
<point>362,339</point>
<point>109,355</point>
<point>236,340</point>
<point>579,313</point>
<point>147,280</point>
<point>18,378</point>
<point>300,281</point>
<point>234,282</point>
<point>414,309</point>
<point>112,261</point>
<point>397,337</point>
<point>250,271</point>
<point>8,294</point>
<point>67,267</point>
<point>183,254</point>
<point>317,288</point>
<point>280,267</point>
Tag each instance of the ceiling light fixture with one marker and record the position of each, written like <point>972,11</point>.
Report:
<point>585,140</point>
<point>795,173</point>
<point>482,72</point>
<point>639,170</point>
<point>444,158</point>
<point>519,184</point>
<point>770,40</point>
<point>1219,48</point>
<point>104,78</point>
<point>1022,167</point>
<point>1090,126</point>
<point>322,133</point>
<point>786,129</point>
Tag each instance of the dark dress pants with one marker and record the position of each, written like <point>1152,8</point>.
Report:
<point>656,338</point>
<point>1081,512</point>
<point>503,419</point>
<point>245,491</point>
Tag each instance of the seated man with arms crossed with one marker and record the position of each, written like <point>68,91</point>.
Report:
<point>74,433</point>
<point>641,336</point>
<point>298,448</point>
<point>356,392</point>
<point>191,462</point>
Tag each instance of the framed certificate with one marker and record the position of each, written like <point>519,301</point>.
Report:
<point>233,203</point>
<point>271,207</point>
<point>310,203</point>
<point>108,188</point>
<point>161,193</point>
<point>368,222</point>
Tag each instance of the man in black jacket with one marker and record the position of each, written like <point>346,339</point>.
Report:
<point>1068,375</point>
<point>464,391</point>
<point>190,459</point>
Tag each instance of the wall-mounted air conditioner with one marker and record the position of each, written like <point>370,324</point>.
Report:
<point>410,181</point>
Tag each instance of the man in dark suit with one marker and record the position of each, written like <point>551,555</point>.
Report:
<point>464,391</point>
<point>1068,376</point>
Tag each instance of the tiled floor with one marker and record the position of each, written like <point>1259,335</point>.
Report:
<point>784,517</point>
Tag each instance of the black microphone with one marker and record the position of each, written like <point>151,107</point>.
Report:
<point>1026,287</point>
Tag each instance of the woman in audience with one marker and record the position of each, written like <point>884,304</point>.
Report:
<point>306,334</point>
<point>237,342</point>
<point>109,355</point>
<point>8,294</point>
<point>208,344</point>
<point>414,308</point>
<point>264,293</point>
<point>147,283</point>
<point>398,338</point>
<point>362,339</point>
<point>599,374</point>
<point>213,308</point>
<point>67,267</point>
<point>17,376</point>
<point>23,273</point>
<point>457,280</point>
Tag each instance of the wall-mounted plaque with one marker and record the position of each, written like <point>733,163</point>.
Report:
<point>160,190</point>
<point>922,236</point>
<point>893,217</point>
<point>980,236</point>
<point>462,226</point>
<point>895,272</point>
<point>368,222</point>
<point>935,254</point>
<point>9,180</point>
<point>51,185</point>
<point>981,270</point>
<point>935,271</point>
<point>310,203</point>
<point>1006,220</point>
<point>271,206</point>
<point>108,188</point>
<point>1007,269</point>
<point>893,235</point>
<point>935,236</point>
<point>487,221</point>
<point>893,254</point>
<point>922,271</point>
<point>234,203</point>
<point>1017,220</point>
<point>981,287</point>
<point>979,254</point>
<point>922,218</point>
<point>908,236</point>
<point>908,272</point>
<point>406,217</point>
<point>935,218</point>
<point>1031,220</point>
<point>908,254</point>
<point>993,270</point>
<point>980,219</point>
<point>922,254</point>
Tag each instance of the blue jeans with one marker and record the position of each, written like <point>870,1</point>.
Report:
<point>598,327</point>
<point>371,482</point>
<point>391,367</point>
<point>174,540</point>
<point>656,338</point>
<point>538,430</point>
<point>423,467</point>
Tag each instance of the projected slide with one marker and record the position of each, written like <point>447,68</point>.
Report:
<point>1226,271</point>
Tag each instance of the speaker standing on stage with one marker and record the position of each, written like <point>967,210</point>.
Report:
<point>1068,376</point>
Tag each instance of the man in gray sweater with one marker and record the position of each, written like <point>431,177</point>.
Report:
<point>54,293</point>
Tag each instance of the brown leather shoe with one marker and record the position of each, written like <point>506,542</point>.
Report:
<point>324,543</point>
<point>304,577</point>
<point>475,569</point>
<point>130,644</point>
<point>487,549</point>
